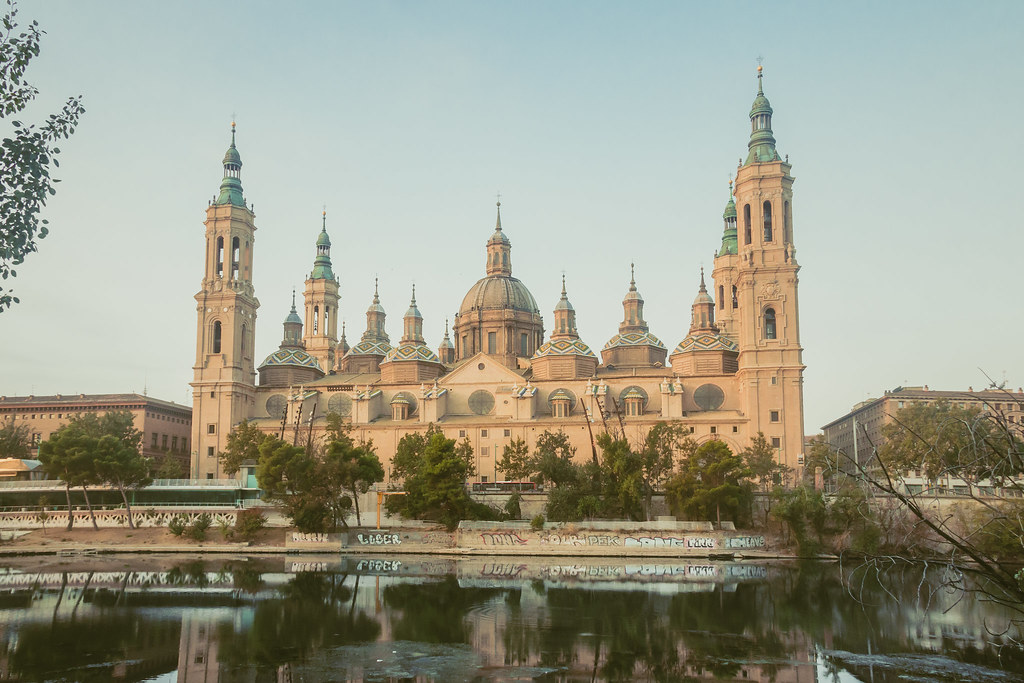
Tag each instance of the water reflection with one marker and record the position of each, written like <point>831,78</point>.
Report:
<point>486,619</point>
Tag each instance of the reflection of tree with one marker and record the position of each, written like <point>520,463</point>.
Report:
<point>313,613</point>
<point>435,612</point>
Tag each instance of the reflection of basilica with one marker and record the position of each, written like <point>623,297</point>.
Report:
<point>735,371</point>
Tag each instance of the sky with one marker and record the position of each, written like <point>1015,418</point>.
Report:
<point>610,130</point>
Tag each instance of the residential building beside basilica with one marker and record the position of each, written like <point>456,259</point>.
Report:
<point>734,370</point>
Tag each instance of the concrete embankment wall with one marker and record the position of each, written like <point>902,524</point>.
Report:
<point>626,539</point>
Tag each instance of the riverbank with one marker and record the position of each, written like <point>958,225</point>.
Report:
<point>595,539</point>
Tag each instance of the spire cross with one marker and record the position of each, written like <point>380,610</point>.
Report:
<point>232,129</point>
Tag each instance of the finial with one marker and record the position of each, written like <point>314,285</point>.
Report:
<point>446,327</point>
<point>232,133</point>
<point>760,75</point>
<point>293,298</point>
<point>343,329</point>
<point>497,225</point>
<point>563,285</point>
<point>703,287</point>
<point>325,218</point>
<point>632,275</point>
<point>414,294</point>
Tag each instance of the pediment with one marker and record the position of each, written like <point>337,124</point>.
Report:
<point>480,369</point>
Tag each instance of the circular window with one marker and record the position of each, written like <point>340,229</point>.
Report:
<point>633,392</point>
<point>481,402</point>
<point>708,397</point>
<point>409,398</point>
<point>340,404</point>
<point>480,366</point>
<point>276,405</point>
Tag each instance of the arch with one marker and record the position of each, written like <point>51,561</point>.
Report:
<point>766,220</point>
<point>327,319</point>
<point>219,268</point>
<point>721,297</point>
<point>746,224</point>
<point>316,319</point>
<point>216,336</point>
<point>769,323</point>
<point>242,349</point>
<point>234,257</point>
<point>735,298</point>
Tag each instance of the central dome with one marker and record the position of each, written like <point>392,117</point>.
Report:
<point>496,292</point>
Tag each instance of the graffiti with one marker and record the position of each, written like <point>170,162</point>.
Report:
<point>308,567</point>
<point>298,537</point>
<point>494,538</point>
<point>379,539</point>
<point>746,571</point>
<point>378,566</point>
<point>700,543</point>
<point>578,540</point>
<point>745,542</point>
<point>702,571</point>
<point>565,570</point>
<point>507,570</point>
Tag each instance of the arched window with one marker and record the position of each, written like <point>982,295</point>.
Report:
<point>244,354</point>
<point>766,217</point>
<point>220,257</point>
<point>769,323</point>
<point>216,336</point>
<point>316,319</point>
<point>721,297</point>
<point>327,319</point>
<point>746,224</point>
<point>234,258</point>
<point>735,300</point>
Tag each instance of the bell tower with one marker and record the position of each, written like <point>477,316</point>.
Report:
<point>321,295</point>
<point>763,268</point>
<point>224,376</point>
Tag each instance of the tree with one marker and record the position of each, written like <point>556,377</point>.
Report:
<point>15,440</point>
<point>25,161</point>
<point>709,484</point>
<point>515,463</point>
<point>288,474</point>
<point>352,467</point>
<point>120,464</point>
<point>762,459</point>
<point>68,455</point>
<point>243,446</point>
<point>658,455</point>
<point>435,469</point>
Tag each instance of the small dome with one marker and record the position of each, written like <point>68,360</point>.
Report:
<point>399,399</point>
<point>293,316</point>
<point>634,339</point>
<point>703,298</point>
<point>296,357</point>
<point>634,392</point>
<point>232,156</point>
<point>497,292</point>
<point>564,347</point>
<point>407,352</point>
<point>323,240</point>
<point>760,105</point>
<point>706,342</point>
<point>498,236</point>
<point>370,348</point>
<point>730,209</point>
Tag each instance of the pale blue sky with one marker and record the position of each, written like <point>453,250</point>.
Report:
<point>610,130</point>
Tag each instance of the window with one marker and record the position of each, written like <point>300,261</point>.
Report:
<point>465,345</point>
<point>774,416</point>
<point>234,258</point>
<point>174,443</point>
<point>721,297</point>
<point>735,300</point>
<point>508,433</point>
<point>524,344</point>
<point>462,433</point>
<point>767,221</point>
<point>714,430</point>
<point>163,442</point>
<point>316,318</point>
<point>691,430</point>
<point>36,438</point>
<point>211,428</point>
<point>735,429</point>
<point>483,479</point>
<point>483,433</point>
<point>776,442</point>
<point>211,394</point>
<point>220,257</point>
<point>786,234</point>
<point>209,475</point>
<point>209,451</point>
<point>746,224</point>
<point>492,342</point>
<point>485,450</point>
<point>769,323</point>
<point>216,336</point>
<point>775,380</point>
<point>155,437</point>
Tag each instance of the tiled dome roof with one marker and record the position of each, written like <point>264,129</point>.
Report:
<point>370,348</point>
<point>296,357</point>
<point>706,342</point>
<point>634,339</point>
<point>564,347</point>
<point>411,352</point>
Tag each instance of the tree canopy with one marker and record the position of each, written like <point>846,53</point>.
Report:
<point>15,439</point>
<point>710,485</point>
<point>25,182</point>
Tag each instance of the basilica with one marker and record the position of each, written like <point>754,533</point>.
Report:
<point>495,376</point>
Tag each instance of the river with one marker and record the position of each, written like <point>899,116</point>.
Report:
<point>410,618</point>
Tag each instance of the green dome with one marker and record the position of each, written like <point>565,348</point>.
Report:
<point>323,240</point>
<point>760,106</point>
<point>730,209</point>
<point>232,156</point>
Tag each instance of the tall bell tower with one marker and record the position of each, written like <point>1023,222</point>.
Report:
<point>760,262</point>
<point>224,376</point>
<point>321,295</point>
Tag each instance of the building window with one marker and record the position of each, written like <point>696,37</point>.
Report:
<point>776,442</point>
<point>174,443</point>
<point>524,345</point>
<point>769,323</point>
<point>220,256</point>
<point>775,416</point>
<point>209,451</point>
<point>492,342</point>
<point>216,336</point>
<point>483,433</point>
<point>692,430</point>
<point>735,429</point>
<point>714,430</point>
<point>211,428</point>
<point>767,221</point>
<point>155,437</point>
<point>36,438</point>
<point>462,433</point>
<point>234,258</point>
<point>209,475</point>
<point>775,380</point>
<point>721,297</point>
<point>746,224</point>
<point>508,433</point>
<point>483,479</point>
<point>163,442</point>
<point>485,450</point>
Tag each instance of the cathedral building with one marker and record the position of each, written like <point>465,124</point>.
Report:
<point>734,371</point>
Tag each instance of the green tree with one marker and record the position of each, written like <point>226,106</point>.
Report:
<point>68,455</point>
<point>120,464</point>
<point>352,467</point>
<point>435,469</point>
<point>243,447</point>
<point>710,484</point>
<point>25,182</point>
<point>553,459</point>
<point>515,462</point>
<point>288,475</point>
<point>620,478</point>
<point>658,454</point>
<point>15,440</point>
<point>762,459</point>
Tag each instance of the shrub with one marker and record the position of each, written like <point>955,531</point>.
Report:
<point>195,533</point>
<point>177,525</point>
<point>537,523</point>
<point>202,522</point>
<point>248,523</point>
<point>512,507</point>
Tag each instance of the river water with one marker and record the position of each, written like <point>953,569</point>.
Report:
<point>407,618</point>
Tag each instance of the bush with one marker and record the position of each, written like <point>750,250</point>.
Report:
<point>202,522</point>
<point>248,523</point>
<point>512,507</point>
<point>537,523</point>
<point>177,525</point>
<point>195,533</point>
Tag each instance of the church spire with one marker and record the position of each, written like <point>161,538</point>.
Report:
<point>703,309</point>
<point>322,263</point>
<point>375,317</point>
<point>231,186</point>
<point>565,318</point>
<point>762,142</point>
<point>729,239</point>
<point>633,307</point>
<point>412,322</point>
<point>499,261</point>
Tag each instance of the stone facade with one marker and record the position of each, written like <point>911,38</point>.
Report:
<point>498,379</point>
